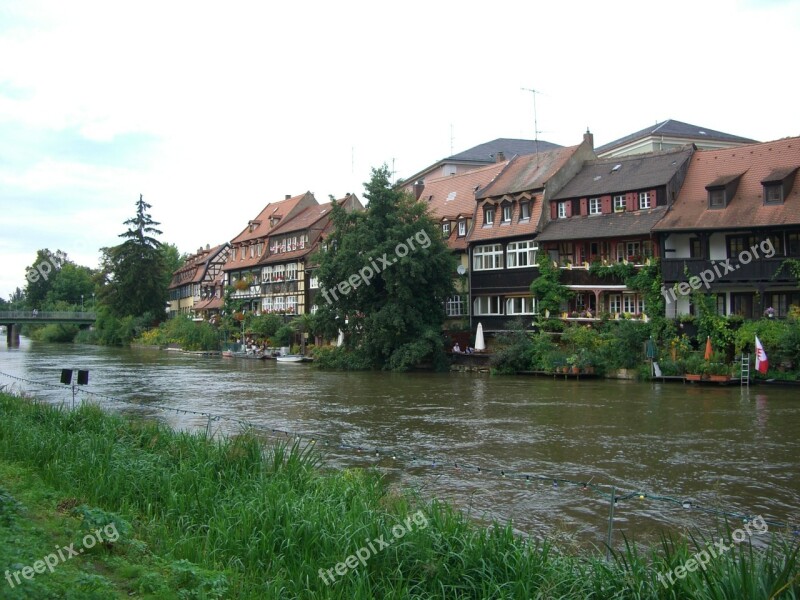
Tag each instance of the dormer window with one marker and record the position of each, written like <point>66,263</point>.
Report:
<point>773,194</point>
<point>488,215</point>
<point>524,210</point>
<point>778,184</point>
<point>620,203</point>
<point>562,210</point>
<point>644,200</point>
<point>506,212</point>
<point>446,230</point>
<point>716,198</point>
<point>595,206</point>
<point>462,228</point>
<point>722,190</point>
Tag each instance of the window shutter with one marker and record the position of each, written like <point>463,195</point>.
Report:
<point>584,209</point>
<point>569,208</point>
<point>605,204</point>
<point>632,200</point>
<point>553,211</point>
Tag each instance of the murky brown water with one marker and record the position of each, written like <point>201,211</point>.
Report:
<point>729,448</point>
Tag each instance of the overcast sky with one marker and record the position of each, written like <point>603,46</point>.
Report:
<point>213,110</point>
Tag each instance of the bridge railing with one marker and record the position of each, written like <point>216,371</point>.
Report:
<point>11,315</point>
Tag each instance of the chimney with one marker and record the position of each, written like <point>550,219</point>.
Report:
<point>418,187</point>
<point>500,156</point>
<point>588,138</point>
<point>287,196</point>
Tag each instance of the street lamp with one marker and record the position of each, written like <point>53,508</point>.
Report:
<point>81,302</point>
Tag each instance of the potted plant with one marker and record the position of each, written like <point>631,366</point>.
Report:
<point>572,361</point>
<point>694,367</point>
<point>769,313</point>
<point>574,314</point>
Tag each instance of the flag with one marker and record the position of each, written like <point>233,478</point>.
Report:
<point>762,364</point>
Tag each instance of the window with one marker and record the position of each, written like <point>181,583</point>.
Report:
<point>291,303</point>
<point>487,257</point>
<point>278,273</point>
<point>488,305</point>
<point>599,251</point>
<point>629,303</point>
<point>562,210</point>
<point>260,248</point>
<point>313,282</point>
<point>279,303</point>
<point>620,204</point>
<point>488,215</point>
<point>520,306</point>
<point>566,250</point>
<point>614,303</point>
<point>716,198</point>
<point>462,228</point>
<point>738,244</point>
<point>695,248</point>
<point>773,194</point>
<point>793,244</point>
<point>524,211</point>
<point>291,272</point>
<point>595,207</point>
<point>266,304</point>
<point>233,254</point>
<point>454,306</point>
<point>644,200</point>
<point>506,213</point>
<point>446,230</point>
<point>522,254</point>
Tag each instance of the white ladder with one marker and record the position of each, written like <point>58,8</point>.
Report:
<point>744,378</point>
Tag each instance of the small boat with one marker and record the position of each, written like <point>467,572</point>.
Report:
<point>292,358</point>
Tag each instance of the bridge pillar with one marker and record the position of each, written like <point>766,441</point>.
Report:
<point>12,335</point>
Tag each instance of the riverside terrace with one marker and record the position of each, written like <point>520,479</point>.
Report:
<point>13,318</point>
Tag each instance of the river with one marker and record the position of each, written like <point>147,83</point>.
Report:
<point>733,449</point>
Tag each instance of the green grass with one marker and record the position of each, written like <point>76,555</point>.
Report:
<point>235,518</point>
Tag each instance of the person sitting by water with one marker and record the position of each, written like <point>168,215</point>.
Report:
<point>456,348</point>
<point>469,350</point>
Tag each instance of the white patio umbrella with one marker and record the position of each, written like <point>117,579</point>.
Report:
<point>340,339</point>
<point>479,343</point>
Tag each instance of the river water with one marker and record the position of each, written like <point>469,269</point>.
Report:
<point>723,447</point>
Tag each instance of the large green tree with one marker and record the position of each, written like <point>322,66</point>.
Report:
<point>134,273</point>
<point>384,279</point>
<point>41,276</point>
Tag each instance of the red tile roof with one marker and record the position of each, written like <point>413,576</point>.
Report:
<point>194,265</point>
<point>260,227</point>
<point>755,163</point>
<point>452,197</point>
<point>504,230</point>
<point>527,173</point>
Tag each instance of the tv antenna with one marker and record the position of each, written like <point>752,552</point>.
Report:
<point>535,120</point>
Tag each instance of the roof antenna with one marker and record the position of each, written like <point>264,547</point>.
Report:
<point>535,121</point>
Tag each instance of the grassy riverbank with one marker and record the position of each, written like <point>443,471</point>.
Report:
<point>235,519</point>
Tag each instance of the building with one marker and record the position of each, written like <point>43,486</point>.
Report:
<point>605,215</point>
<point>482,155</point>
<point>508,217</point>
<point>451,203</point>
<point>288,285</point>
<point>190,284</point>
<point>667,135</point>
<point>734,223</point>
<point>242,269</point>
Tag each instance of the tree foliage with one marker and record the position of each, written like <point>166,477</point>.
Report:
<point>54,282</point>
<point>384,279</point>
<point>135,274</point>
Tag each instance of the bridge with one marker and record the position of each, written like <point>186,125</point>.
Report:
<point>12,319</point>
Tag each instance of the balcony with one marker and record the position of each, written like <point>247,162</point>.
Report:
<point>504,279</point>
<point>759,270</point>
